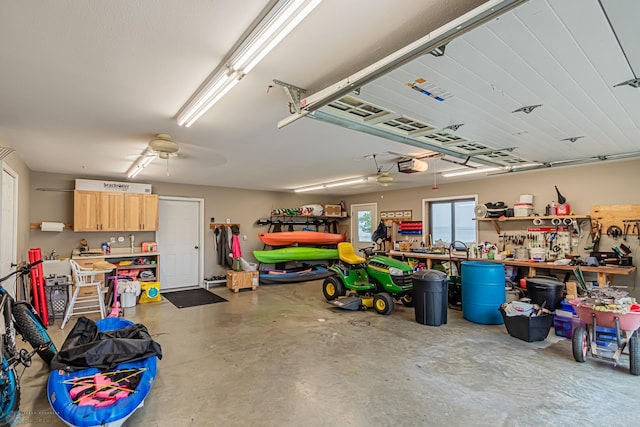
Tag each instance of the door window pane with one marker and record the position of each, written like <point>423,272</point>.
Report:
<point>364,226</point>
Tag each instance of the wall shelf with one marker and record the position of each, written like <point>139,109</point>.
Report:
<point>496,221</point>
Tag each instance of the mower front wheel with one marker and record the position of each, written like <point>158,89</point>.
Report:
<point>383,303</point>
<point>333,288</point>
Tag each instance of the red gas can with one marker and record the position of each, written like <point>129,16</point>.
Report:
<point>563,209</point>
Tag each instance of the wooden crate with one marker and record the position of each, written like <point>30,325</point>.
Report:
<point>237,280</point>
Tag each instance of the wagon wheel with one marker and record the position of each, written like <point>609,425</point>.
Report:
<point>580,344</point>
<point>634,354</point>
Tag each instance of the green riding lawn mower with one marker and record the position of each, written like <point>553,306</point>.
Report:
<point>360,283</point>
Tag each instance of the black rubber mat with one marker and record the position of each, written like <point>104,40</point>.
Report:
<point>192,298</point>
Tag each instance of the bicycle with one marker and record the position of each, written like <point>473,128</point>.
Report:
<point>20,317</point>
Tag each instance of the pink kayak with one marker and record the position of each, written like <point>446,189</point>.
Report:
<point>285,238</point>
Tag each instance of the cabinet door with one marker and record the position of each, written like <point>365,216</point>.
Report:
<point>86,211</point>
<point>141,212</point>
<point>111,211</point>
<point>150,212</point>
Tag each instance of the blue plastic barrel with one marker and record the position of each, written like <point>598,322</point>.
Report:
<point>482,292</point>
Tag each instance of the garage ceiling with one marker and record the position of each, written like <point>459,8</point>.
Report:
<point>86,85</point>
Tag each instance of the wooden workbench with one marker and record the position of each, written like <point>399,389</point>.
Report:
<point>605,273</point>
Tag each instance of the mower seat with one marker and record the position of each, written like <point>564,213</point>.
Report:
<point>348,255</point>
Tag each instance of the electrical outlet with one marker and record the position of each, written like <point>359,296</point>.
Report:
<point>112,239</point>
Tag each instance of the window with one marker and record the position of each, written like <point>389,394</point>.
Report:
<point>452,220</point>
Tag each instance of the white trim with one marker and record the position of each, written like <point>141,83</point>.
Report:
<point>200,227</point>
<point>374,221</point>
<point>14,238</point>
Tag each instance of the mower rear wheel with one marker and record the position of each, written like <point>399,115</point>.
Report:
<point>333,288</point>
<point>407,301</point>
<point>383,303</point>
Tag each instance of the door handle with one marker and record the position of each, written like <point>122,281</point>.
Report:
<point>196,247</point>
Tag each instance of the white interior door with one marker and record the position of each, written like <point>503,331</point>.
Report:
<point>8,225</point>
<point>180,239</point>
<point>364,220</point>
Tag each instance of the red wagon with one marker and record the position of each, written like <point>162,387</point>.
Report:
<point>626,335</point>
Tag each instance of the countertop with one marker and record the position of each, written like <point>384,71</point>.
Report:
<point>116,254</point>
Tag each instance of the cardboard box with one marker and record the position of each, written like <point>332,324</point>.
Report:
<point>237,280</point>
<point>332,210</point>
<point>405,246</point>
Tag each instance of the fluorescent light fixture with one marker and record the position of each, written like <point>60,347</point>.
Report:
<point>468,172</point>
<point>278,19</point>
<point>360,180</point>
<point>141,162</point>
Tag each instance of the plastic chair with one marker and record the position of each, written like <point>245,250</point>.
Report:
<point>92,302</point>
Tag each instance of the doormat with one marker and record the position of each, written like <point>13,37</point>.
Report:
<point>192,298</point>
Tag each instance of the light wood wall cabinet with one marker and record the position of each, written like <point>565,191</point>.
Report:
<point>97,211</point>
<point>104,211</point>
<point>140,212</point>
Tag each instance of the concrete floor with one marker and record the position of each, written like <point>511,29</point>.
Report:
<point>282,356</point>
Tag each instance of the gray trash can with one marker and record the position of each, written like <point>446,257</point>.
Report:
<point>430,296</point>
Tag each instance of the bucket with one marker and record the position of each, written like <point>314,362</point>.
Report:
<point>538,254</point>
<point>127,299</point>
<point>526,198</point>
<point>522,209</point>
<point>522,253</point>
<point>545,290</point>
<point>483,292</point>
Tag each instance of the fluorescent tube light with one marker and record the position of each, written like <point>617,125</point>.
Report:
<point>360,180</point>
<point>141,162</point>
<point>468,172</point>
<point>279,18</point>
<point>347,182</point>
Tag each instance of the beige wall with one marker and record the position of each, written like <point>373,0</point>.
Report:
<point>583,186</point>
<point>52,200</point>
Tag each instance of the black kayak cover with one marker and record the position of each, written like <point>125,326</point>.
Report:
<point>87,347</point>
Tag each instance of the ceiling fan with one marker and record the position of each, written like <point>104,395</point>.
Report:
<point>163,146</point>
<point>384,178</point>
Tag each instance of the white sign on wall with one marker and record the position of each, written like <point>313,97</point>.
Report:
<point>112,186</point>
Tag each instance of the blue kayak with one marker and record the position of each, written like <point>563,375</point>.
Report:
<point>310,273</point>
<point>114,415</point>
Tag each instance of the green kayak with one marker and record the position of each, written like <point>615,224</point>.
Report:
<point>295,254</point>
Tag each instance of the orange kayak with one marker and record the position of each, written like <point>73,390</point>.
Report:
<point>285,238</point>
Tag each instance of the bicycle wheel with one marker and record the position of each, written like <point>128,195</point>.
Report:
<point>33,332</point>
<point>9,394</point>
